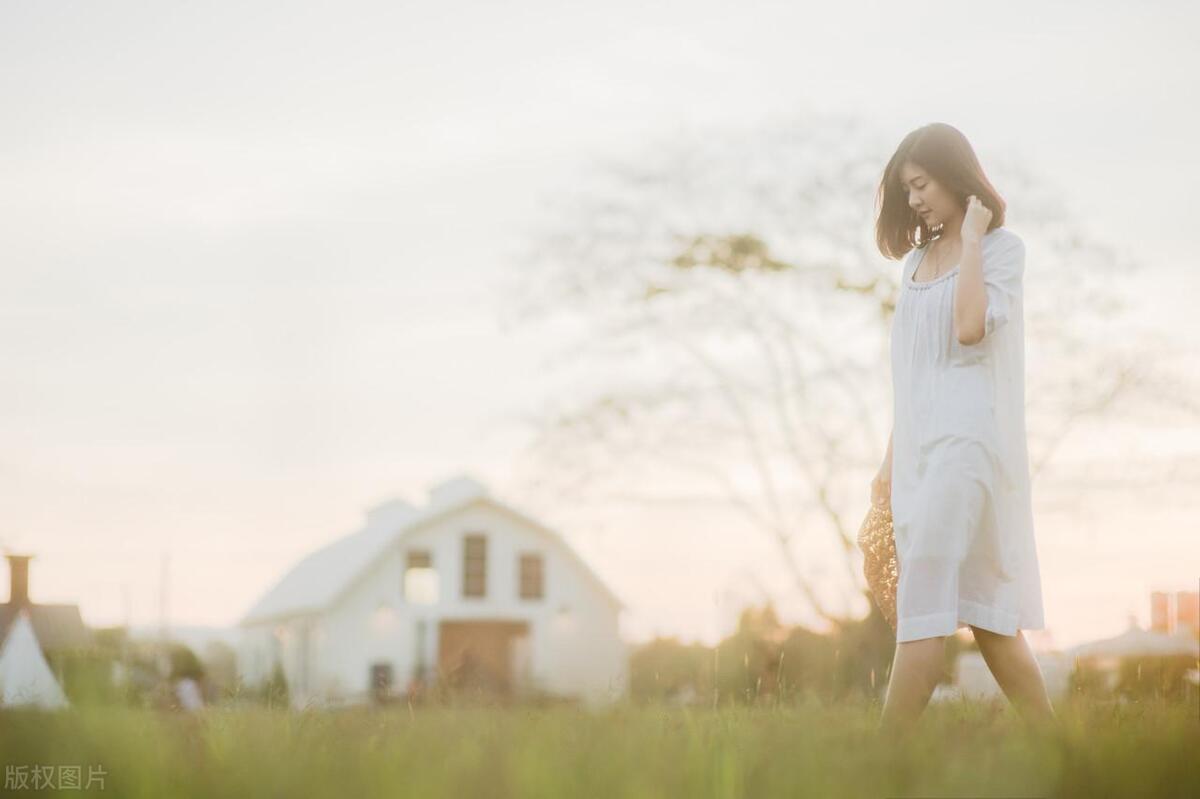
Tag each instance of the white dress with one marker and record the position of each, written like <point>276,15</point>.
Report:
<point>961,505</point>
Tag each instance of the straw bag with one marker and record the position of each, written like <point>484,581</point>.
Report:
<point>878,544</point>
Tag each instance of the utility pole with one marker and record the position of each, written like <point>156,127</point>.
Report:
<point>163,613</point>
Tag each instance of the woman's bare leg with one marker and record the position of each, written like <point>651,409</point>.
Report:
<point>1016,670</point>
<point>916,669</point>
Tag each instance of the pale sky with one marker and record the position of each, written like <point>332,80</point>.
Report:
<point>251,255</point>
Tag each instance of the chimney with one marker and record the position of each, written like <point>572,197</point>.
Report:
<point>18,587</point>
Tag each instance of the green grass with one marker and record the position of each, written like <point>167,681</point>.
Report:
<point>807,750</point>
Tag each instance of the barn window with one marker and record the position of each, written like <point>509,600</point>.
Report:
<point>420,580</point>
<point>474,565</point>
<point>531,574</point>
<point>382,677</point>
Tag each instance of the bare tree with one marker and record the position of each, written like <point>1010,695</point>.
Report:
<point>729,319</point>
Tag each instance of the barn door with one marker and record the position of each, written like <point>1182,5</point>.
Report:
<point>478,655</point>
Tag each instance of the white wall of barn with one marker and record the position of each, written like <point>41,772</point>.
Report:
<point>575,647</point>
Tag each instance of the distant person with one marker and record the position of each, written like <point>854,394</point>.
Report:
<point>956,472</point>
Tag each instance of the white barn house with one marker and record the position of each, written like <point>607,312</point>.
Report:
<point>426,593</point>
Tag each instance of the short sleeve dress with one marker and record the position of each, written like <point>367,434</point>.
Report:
<point>961,504</point>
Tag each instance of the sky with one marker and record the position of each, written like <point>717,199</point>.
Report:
<point>251,259</point>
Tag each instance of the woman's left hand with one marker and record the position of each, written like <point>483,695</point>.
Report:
<point>976,219</point>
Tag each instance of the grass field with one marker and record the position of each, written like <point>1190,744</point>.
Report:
<point>806,750</point>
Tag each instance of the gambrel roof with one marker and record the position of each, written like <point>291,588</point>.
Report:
<point>316,582</point>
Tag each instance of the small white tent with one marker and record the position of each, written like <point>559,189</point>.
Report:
<point>25,677</point>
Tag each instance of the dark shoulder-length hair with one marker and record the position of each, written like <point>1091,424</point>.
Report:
<point>943,152</point>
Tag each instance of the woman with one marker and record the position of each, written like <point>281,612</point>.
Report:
<point>956,471</point>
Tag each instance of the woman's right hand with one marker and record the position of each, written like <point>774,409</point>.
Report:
<point>881,486</point>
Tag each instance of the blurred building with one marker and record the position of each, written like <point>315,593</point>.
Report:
<point>34,639</point>
<point>463,592</point>
<point>1187,611</point>
<point>1175,612</point>
<point>58,628</point>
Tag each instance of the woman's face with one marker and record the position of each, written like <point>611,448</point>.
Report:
<point>926,197</point>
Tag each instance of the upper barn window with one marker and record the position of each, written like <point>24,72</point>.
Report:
<point>420,579</point>
<point>532,576</point>
<point>474,565</point>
